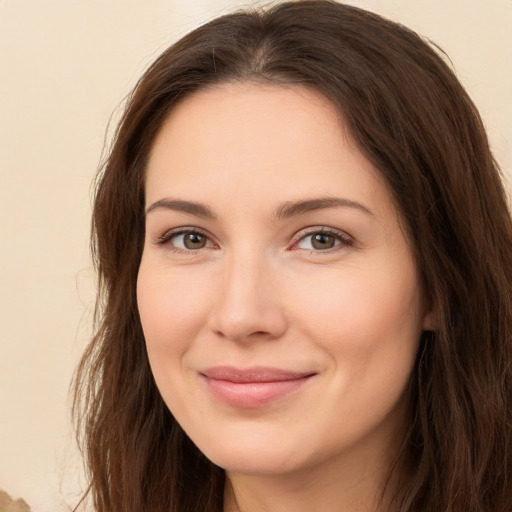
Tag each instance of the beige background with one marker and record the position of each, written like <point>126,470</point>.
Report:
<point>65,65</point>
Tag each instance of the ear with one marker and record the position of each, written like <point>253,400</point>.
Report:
<point>430,321</point>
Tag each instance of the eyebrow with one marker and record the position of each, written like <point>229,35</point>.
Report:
<point>197,209</point>
<point>285,211</point>
<point>290,209</point>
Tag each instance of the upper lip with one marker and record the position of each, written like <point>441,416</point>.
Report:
<point>253,374</point>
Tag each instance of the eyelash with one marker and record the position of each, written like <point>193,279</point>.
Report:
<point>342,239</point>
<point>169,235</point>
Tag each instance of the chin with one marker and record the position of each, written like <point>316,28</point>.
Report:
<point>255,461</point>
<point>258,452</point>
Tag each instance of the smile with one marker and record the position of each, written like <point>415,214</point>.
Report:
<point>252,387</point>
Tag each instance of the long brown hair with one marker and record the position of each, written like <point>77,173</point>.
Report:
<point>414,121</point>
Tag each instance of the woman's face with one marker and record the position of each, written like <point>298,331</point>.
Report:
<point>279,298</point>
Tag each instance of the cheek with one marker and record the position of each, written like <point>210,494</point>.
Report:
<point>365,317</point>
<point>171,307</point>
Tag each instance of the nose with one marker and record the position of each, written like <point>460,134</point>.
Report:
<point>248,304</point>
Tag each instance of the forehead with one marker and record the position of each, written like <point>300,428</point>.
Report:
<point>250,113</point>
<point>248,142</point>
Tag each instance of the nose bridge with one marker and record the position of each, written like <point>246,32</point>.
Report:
<point>248,300</point>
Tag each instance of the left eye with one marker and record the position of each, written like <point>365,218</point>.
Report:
<point>189,240</point>
<point>321,241</point>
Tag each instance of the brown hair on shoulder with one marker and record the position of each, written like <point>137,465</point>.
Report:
<point>414,121</point>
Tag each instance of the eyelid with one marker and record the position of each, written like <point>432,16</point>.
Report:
<point>344,238</point>
<point>164,239</point>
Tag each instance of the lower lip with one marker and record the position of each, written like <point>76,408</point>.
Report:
<point>249,395</point>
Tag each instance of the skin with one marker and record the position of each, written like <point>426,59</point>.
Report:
<point>255,289</point>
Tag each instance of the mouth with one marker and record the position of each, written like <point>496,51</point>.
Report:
<point>252,387</point>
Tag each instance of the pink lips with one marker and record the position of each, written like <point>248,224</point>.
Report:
<point>252,387</point>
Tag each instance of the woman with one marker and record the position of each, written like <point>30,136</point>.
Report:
<point>304,255</point>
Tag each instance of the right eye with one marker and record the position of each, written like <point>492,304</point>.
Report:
<point>185,240</point>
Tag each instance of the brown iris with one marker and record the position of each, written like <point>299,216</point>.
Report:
<point>194,240</point>
<point>323,241</point>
